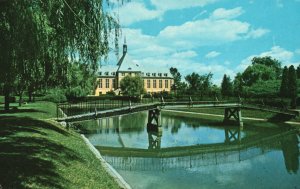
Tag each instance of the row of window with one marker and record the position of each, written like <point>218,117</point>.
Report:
<point>107,83</point>
<point>154,83</point>
<point>147,74</point>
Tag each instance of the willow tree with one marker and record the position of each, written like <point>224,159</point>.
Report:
<point>38,36</point>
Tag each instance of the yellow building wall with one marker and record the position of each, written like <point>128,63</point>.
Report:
<point>104,89</point>
<point>149,89</point>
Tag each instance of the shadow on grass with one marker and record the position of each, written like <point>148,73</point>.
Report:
<point>16,110</point>
<point>28,161</point>
<point>281,117</point>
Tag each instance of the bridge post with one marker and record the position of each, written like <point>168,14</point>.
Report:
<point>236,113</point>
<point>154,122</point>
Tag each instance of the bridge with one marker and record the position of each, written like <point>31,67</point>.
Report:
<point>231,110</point>
<point>156,158</point>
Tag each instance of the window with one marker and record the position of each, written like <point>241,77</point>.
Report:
<point>113,83</point>
<point>160,84</point>
<point>130,74</point>
<point>148,83</point>
<point>154,74</point>
<point>100,73</point>
<point>159,74</point>
<point>123,74</point>
<point>100,83</point>
<point>113,73</point>
<point>147,74</point>
<point>166,83</point>
<point>107,83</point>
<point>154,83</point>
<point>106,73</point>
<point>165,74</point>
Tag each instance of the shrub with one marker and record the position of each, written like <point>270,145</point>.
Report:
<point>75,93</point>
<point>55,95</point>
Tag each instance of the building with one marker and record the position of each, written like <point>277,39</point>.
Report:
<point>109,77</point>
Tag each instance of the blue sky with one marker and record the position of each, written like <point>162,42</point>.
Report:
<point>218,36</point>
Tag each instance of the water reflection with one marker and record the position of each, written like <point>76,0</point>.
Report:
<point>197,153</point>
<point>186,143</point>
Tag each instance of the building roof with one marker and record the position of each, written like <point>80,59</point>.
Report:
<point>126,64</point>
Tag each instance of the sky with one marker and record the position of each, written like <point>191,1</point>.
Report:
<point>202,36</point>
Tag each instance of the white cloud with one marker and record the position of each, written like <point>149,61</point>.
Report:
<point>212,54</point>
<point>204,32</point>
<point>185,54</point>
<point>135,12</point>
<point>166,5</point>
<point>222,13</point>
<point>297,50</point>
<point>277,52</point>
<point>256,33</point>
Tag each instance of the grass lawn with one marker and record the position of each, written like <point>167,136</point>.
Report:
<point>245,113</point>
<point>38,153</point>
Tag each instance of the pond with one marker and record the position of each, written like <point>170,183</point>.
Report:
<point>197,153</point>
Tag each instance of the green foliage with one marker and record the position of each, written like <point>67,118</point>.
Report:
<point>292,85</point>
<point>132,86</point>
<point>298,71</point>
<point>263,89</point>
<point>199,83</point>
<point>39,39</point>
<point>179,87</point>
<point>226,86</point>
<point>238,84</point>
<point>55,95</point>
<point>262,68</point>
<point>284,87</point>
<point>269,62</point>
<point>76,92</point>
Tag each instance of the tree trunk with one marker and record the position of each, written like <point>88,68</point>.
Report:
<point>20,98</point>
<point>30,96</point>
<point>6,97</point>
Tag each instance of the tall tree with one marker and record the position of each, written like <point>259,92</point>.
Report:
<point>238,85</point>
<point>226,86</point>
<point>292,86</point>
<point>41,34</point>
<point>298,71</point>
<point>284,87</point>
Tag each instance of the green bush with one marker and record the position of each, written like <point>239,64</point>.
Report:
<point>75,93</point>
<point>55,95</point>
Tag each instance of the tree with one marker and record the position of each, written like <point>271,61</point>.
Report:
<point>269,62</point>
<point>238,85</point>
<point>292,86</point>
<point>298,71</point>
<point>193,82</point>
<point>262,68</point>
<point>176,75</point>
<point>284,87</point>
<point>132,86</point>
<point>41,35</point>
<point>199,83</point>
<point>179,87</point>
<point>226,86</point>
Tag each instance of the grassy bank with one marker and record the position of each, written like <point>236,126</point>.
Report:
<point>246,113</point>
<point>38,153</point>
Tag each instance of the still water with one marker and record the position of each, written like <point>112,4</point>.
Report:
<point>197,153</point>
